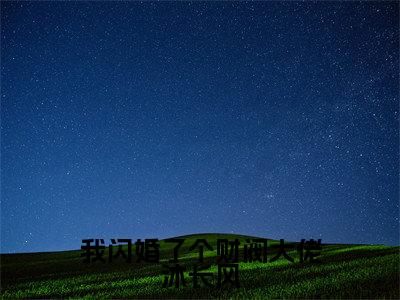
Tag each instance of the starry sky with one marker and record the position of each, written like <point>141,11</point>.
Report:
<point>152,120</point>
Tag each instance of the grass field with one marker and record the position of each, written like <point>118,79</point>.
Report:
<point>345,271</point>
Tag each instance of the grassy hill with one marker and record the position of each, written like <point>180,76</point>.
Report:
<point>345,271</point>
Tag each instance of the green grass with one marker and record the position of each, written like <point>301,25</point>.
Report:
<point>345,271</point>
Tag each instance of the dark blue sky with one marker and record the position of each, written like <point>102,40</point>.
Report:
<point>151,120</point>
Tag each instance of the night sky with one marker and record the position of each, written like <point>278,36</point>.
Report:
<point>152,120</point>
